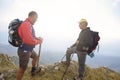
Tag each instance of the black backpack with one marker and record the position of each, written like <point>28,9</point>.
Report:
<point>13,37</point>
<point>96,38</point>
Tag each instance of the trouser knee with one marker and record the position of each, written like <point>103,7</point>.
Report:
<point>68,52</point>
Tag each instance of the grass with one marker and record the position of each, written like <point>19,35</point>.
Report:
<point>49,73</point>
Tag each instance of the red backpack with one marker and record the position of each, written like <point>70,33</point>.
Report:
<point>96,38</point>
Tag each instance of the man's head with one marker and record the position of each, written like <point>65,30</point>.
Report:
<point>32,16</point>
<point>83,24</point>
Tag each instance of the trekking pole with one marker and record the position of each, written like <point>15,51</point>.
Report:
<point>39,55</point>
<point>65,72</point>
<point>63,57</point>
<point>66,68</point>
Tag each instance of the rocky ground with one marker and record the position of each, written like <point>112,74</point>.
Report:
<point>55,71</point>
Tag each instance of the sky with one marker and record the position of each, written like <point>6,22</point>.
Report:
<point>58,21</point>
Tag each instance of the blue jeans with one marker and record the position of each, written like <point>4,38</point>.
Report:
<point>81,59</point>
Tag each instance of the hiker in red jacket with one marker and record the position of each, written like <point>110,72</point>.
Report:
<point>25,51</point>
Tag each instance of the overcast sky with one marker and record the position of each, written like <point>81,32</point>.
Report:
<point>58,19</point>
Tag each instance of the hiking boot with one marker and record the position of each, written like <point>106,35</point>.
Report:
<point>35,70</point>
<point>77,78</point>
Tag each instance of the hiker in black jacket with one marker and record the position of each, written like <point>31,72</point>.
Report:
<point>80,48</point>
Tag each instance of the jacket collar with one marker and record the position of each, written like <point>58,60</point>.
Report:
<point>88,28</point>
<point>27,20</point>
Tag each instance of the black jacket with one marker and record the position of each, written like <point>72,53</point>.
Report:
<point>85,40</point>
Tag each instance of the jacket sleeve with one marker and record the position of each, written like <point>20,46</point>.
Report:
<point>27,36</point>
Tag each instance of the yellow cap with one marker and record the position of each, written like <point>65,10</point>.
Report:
<point>83,20</point>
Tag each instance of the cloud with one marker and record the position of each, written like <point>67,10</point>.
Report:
<point>57,22</point>
<point>59,17</point>
<point>116,2</point>
<point>5,5</point>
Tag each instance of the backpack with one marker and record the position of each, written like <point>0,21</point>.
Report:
<point>96,38</point>
<point>13,37</point>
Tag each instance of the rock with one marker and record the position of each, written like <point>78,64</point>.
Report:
<point>11,71</point>
<point>42,67</point>
<point>56,68</point>
<point>1,76</point>
<point>5,61</point>
<point>57,63</point>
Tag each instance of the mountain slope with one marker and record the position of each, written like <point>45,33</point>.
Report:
<point>55,71</point>
<point>7,67</point>
<point>6,61</point>
<point>111,62</point>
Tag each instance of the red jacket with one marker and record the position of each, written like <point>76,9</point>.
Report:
<point>26,34</point>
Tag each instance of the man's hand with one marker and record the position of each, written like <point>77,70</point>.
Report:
<point>77,42</point>
<point>68,48</point>
<point>39,38</point>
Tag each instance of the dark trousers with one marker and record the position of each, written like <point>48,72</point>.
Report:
<point>81,59</point>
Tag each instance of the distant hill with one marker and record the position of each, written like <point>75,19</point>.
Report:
<point>55,71</point>
<point>111,62</point>
<point>8,49</point>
